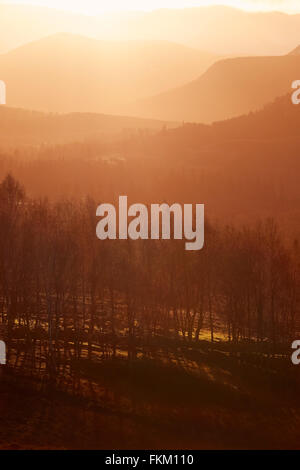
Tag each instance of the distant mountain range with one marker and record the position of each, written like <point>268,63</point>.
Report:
<point>66,72</point>
<point>229,88</point>
<point>242,168</point>
<point>218,29</point>
<point>276,120</point>
<point>69,73</point>
<point>23,127</point>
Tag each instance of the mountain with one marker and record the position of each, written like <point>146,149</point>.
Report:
<point>218,29</point>
<point>242,169</point>
<point>221,29</point>
<point>68,73</point>
<point>23,127</point>
<point>20,24</point>
<point>229,88</point>
<point>279,119</point>
<point>295,51</point>
<point>276,121</point>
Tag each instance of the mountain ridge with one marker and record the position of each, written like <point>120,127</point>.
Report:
<point>230,87</point>
<point>239,32</point>
<point>69,73</point>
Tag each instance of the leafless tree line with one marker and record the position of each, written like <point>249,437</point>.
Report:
<point>66,295</point>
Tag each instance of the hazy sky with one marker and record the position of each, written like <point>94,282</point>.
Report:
<point>99,6</point>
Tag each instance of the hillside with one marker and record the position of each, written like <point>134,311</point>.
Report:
<point>229,88</point>
<point>20,126</point>
<point>295,51</point>
<point>66,73</point>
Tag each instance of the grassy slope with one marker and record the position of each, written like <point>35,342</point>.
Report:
<point>196,398</point>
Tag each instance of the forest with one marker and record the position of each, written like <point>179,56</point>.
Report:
<point>136,344</point>
<point>141,325</point>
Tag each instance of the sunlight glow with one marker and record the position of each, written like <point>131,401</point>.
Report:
<point>96,7</point>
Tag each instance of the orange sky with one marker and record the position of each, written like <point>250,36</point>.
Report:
<point>100,6</point>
